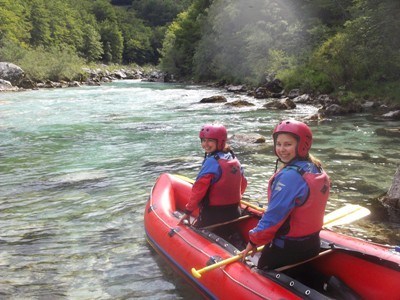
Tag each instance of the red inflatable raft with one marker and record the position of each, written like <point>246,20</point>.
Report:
<point>347,267</point>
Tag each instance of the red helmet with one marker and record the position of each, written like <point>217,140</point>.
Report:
<point>300,130</point>
<point>216,132</point>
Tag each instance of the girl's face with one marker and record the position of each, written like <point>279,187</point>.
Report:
<point>209,145</point>
<point>285,148</point>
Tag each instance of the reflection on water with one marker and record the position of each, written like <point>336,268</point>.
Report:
<point>77,165</point>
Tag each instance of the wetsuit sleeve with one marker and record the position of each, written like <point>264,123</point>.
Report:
<point>210,172</point>
<point>199,190</point>
<point>288,189</point>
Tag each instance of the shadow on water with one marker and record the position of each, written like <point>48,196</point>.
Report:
<point>182,289</point>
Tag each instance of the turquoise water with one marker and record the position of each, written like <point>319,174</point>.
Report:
<point>77,166</point>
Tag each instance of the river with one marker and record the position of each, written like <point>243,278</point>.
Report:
<point>77,166</point>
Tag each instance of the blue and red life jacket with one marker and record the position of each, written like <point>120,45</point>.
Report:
<point>227,190</point>
<point>220,181</point>
<point>307,217</point>
<point>297,195</point>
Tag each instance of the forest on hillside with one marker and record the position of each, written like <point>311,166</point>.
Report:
<point>350,48</point>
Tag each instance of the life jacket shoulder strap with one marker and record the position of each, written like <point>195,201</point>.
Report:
<point>296,168</point>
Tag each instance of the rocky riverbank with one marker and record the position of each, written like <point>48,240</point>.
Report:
<point>13,78</point>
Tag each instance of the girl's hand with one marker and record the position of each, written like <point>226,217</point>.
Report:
<point>186,218</point>
<point>249,248</point>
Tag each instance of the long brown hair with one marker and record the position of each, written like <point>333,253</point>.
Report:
<point>314,160</point>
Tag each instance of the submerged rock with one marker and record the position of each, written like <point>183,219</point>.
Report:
<point>214,99</point>
<point>388,131</point>
<point>78,178</point>
<point>281,104</point>
<point>248,138</point>
<point>239,103</point>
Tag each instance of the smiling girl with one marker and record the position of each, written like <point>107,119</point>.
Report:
<point>220,184</point>
<point>297,196</point>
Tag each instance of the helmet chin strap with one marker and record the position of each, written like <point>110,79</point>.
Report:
<point>276,164</point>
<point>211,153</point>
<point>279,160</point>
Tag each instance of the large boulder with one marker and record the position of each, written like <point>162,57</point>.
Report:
<point>392,199</point>
<point>11,73</point>
<point>6,86</point>
<point>394,191</point>
<point>395,115</point>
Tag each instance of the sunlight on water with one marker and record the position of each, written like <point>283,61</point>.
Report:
<point>77,166</point>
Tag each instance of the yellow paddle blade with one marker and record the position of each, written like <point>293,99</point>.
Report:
<point>345,215</point>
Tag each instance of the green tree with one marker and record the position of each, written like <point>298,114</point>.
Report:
<point>137,38</point>
<point>181,39</point>
<point>13,24</point>
<point>159,12</point>
<point>92,47</point>
<point>366,49</point>
<point>66,26</point>
<point>40,20</point>
<point>112,40</point>
<point>104,11</point>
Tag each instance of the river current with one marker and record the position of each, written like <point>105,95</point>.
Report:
<point>77,166</point>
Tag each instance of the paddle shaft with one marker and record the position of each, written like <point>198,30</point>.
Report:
<point>227,222</point>
<point>245,203</point>
<point>197,273</point>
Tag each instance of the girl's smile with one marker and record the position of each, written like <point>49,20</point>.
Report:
<point>285,147</point>
<point>209,145</point>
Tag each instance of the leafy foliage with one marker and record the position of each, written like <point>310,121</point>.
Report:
<point>182,38</point>
<point>94,29</point>
<point>364,53</point>
<point>345,47</point>
<point>42,64</point>
<point>306,79</point>
<point>159,13</point>
<point>13,12</point>
<point>348,47</point>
